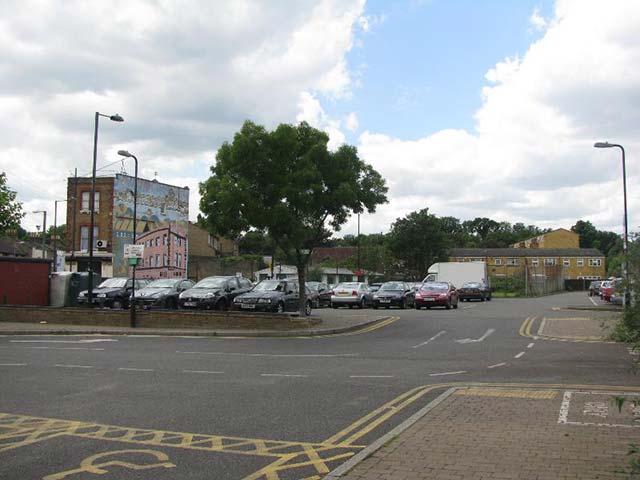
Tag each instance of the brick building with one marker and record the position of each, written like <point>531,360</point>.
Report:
<point>556,253</point>
<point>158,206</point>
<point>165,254</point>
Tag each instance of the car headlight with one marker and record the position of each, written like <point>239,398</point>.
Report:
<point>237,300</point>
<point>443,294</point>
<point>209,295</point>
<point>82,294</point>
<point>375,297</point>
<point>264,300</point>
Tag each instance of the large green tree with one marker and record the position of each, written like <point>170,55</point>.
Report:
<point>288,185</point>
<point>10,209</point>
<point>418,240</point>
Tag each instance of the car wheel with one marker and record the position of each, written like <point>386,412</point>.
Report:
<point>402,305</point>
<point>316,303</point>
<point>221,306</point>
<point>448,305</point>
<point>307,309</point>
<point>280,307</point>
<point>374,306</point>
<point>172,304</point>
<point>333,305</point>
<point>428,307</point>
<point>117,304</point>
<point>455,305</point>
<point>489,298</point>
<point>416,306</point>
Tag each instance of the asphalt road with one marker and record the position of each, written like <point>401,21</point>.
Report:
<point>263,408</point>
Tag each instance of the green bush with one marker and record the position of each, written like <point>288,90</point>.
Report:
<point>511,285</point>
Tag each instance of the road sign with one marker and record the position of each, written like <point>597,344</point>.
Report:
<point>133,251</point>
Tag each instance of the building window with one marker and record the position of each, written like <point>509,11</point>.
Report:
<point>180,260</point>
<point>164,239</point>
<point>580,262</point>
<point>165,260</point>
<point>566,262</point>
<point>498,261</point>
<point>157,259</point>
<point>85,200</point>
<point>535,262</point>
<point>549,262</point>
<point>595,262</point>
<point>84,237</point>
<point>157,241</point>
<point>512,261</point>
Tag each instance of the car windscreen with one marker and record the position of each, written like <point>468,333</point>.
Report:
<point>349,286</point>
<point>435,286</point>
<point>269,286</point>
<point>472,285</point>
<point>164,283</point>
<point>211,283</point>
<point>113,283</point>
<point>392,286</point>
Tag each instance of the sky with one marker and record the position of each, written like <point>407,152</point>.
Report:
<point>471,109</point>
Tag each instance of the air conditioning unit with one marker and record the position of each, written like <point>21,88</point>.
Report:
<point>101,244</point>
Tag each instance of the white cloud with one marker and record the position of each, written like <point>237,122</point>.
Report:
<point>531,156</point>
<point>184,79</point>
<point>537,21</point>
<point>351,122</point>
<point>310,110</point>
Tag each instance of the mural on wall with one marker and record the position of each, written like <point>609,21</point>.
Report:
<point>159,207</point>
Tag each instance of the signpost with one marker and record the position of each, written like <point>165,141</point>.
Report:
<point>133,252</point>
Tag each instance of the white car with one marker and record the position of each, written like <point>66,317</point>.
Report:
<point>351,294</point>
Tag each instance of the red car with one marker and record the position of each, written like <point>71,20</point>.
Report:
<point>436,294</point>
<point>606,289</point>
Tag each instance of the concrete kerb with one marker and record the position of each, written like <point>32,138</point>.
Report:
<point>382,441</point>
<point>197,333</point>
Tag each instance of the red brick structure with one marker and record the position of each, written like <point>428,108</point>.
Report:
<point>24,281</point>
<point>165,254</point>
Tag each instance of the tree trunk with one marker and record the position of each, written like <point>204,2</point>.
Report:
<point>302,279</point>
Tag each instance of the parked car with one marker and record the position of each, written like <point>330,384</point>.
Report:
<point>320,294</point>
<point>113,292</point>
<point>433,294</point>
<point>214,293</point>
<point>374,287</point>
<point>474,291</point>
<point>606,290</point>
<point>273,296</point>
<point>594,288</point>
<point>394,294</point>
<point>351,294</point>
<point>162,293</point>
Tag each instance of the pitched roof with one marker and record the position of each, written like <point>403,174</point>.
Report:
<point>525,252</point>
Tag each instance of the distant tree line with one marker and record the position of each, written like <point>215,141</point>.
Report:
<point>416,241</point>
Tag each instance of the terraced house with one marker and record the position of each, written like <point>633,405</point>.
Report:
<point>556,254</point>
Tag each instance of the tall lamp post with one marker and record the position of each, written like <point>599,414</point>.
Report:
<point>55,233</point>
<point>113,118</point>
<point>132,306</point>
<point>44,228</point>
<point>625,244</point>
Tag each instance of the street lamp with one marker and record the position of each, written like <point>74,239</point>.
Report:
<point>44,227</point>
<point>132,305</point>
<point>113,118</point>
<point>55,234</point>
<point>625,244</point>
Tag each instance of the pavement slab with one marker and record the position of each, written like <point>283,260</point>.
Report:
<point>511,433</point>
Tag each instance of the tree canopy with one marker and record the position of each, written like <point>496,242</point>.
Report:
<point>286,183</point>
<point>10,209</point>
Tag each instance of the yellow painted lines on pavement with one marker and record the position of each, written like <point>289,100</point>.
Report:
<point>509,393</point>
<point>527,325</point>
<point>366,329</point>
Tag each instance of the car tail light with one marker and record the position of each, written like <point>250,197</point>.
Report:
<point>354,293</point>
<point>331,292</point>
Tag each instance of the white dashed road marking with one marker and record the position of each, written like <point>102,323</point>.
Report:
<point>202,371</point>
<point>13,364</point>
<point>136,369</point>
<point>497,365</point>
<point>519,355</point>
<point>431,339</point>
<point>530,345</point>
<point>447,373</point>
<point>272,355</point>
<point>73,366</point>
<point>370,376</point>
<point>282,375</point>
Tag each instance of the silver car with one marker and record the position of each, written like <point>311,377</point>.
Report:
<point>351,294</point>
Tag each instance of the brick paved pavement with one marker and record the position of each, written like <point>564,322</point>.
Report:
<point>491,433</point>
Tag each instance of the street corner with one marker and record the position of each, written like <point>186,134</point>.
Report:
<point>513,431</point>
<point>570,328</point>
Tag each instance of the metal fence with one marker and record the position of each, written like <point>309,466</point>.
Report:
<point>530,281</point>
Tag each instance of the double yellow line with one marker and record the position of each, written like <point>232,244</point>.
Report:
<point>525,328</point>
